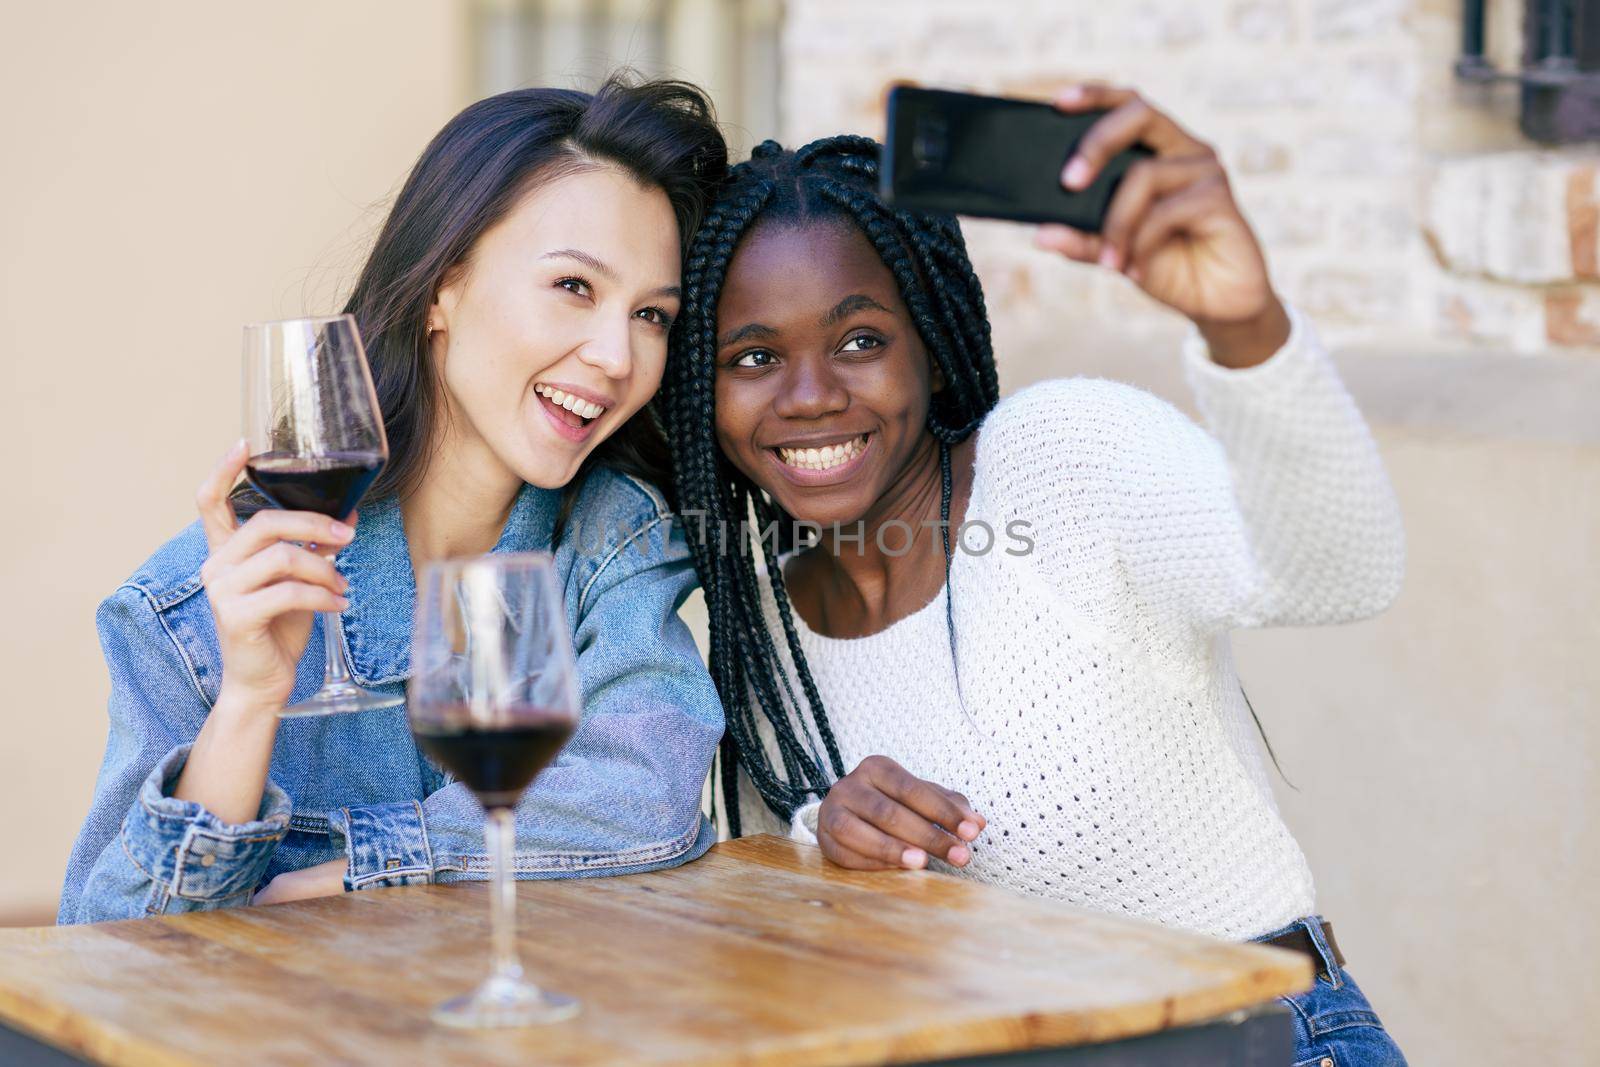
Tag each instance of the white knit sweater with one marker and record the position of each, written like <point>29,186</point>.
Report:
<point>1104,736</point>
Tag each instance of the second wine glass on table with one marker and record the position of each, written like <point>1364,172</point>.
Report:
<point>316,440</point>
<point>493,697</point>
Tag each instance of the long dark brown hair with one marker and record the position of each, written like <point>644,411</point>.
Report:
<point>662,133</point>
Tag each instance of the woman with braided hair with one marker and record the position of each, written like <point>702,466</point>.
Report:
<point>1006,647</point>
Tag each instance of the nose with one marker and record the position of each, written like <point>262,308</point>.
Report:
<point>610,351</point>
<point>810,390</point>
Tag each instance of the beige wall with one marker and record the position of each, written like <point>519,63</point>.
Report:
<point>173,170</point>
<point>1446,755</point>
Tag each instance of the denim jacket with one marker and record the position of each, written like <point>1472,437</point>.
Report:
<point>623,796</point>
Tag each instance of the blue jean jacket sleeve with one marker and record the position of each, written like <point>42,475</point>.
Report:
<point>624,795</point>
<point>141,850</point>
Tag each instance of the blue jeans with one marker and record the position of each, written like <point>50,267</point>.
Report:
<point>1334,1025</point>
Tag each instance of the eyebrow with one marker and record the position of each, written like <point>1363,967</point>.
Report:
<point>602,268</point>
<point>745,332</point>
<point>850,305</point>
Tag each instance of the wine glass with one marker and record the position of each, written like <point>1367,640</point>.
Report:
<point>316,440</point>
<point>493,698</point>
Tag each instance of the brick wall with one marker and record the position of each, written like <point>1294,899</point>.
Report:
<point>1397,207</point>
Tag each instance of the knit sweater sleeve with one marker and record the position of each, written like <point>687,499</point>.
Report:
<point>1282,514</point>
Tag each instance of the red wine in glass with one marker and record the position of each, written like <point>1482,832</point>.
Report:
<point>492,699</point>
<point>497,764</point>
<point>316,439</point>
<point>329,485</point>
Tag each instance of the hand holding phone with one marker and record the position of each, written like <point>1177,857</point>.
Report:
<point>1115,181</point>
<point>995,157</point>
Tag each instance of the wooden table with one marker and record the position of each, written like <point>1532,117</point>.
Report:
<point>759,953</point>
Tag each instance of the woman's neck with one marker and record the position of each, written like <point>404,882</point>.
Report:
<point>851,588</point>
<point>462,503</point>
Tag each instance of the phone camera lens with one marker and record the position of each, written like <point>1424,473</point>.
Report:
<point>931,144</point>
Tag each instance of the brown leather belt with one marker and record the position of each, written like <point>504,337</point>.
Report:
<point>1298,940</point>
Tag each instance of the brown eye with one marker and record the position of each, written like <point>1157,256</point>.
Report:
<point>866,341</point>
<point>576,286</point>
<point>753,359</point>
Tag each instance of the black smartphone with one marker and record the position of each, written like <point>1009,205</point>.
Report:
<point>991,156</point>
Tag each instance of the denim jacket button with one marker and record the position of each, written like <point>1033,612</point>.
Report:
<point>1327,1061</point>
<point>207,860</point>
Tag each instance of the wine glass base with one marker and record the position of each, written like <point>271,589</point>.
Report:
<point>505,1002</point>
<point>341,700</point>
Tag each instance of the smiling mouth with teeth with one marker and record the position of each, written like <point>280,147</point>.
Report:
<point>584,410</point>
<point>824,458</point>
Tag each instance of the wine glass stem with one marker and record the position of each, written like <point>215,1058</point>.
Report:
<point>501,832</point>
<point>334,673</point>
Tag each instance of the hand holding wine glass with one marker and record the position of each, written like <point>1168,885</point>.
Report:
<point>316,442</point>
<point>264,587</point>
<point>493,697</point>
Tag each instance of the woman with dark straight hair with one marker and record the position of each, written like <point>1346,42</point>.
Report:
<point>515,309</point>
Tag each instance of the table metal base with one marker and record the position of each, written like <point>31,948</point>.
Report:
<point>18,1049</point>
<point>1262,1038</point>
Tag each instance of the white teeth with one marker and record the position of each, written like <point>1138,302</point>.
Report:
<point>824,458</point>
<point>575,404</point>
<point>579,406</point>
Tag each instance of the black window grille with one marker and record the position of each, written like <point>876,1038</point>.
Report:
<point>1560,76</point>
